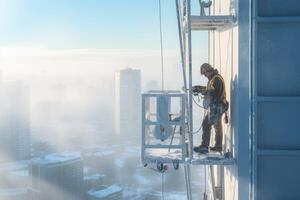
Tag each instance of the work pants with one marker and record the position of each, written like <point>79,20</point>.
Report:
<point>206,127</point>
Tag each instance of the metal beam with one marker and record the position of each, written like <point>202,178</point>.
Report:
<point>190,80</point>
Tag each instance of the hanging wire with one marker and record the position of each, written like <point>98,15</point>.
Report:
<point>205,182</point>
<point>162,186</point>
<point>197,103</point>
<point>200,128</point>
<point>161,48</point>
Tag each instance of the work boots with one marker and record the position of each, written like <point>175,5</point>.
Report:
<point>201,149</point>
<point>216,148</point>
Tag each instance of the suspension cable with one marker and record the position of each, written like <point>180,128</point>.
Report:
<point>162,186</point>
<point>161,47</point>
<point>205,182</point>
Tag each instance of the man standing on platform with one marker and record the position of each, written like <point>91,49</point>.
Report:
<point>215,102</point>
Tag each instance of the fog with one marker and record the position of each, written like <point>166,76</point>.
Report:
<point>72,91</point>
<point>71,109</point>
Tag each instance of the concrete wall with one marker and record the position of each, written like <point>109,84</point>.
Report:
<point>223,55</point>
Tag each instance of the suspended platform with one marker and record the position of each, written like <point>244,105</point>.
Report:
<point>212,158</point>
<point>217,22</point>
<point>164,156</point>
<point>164,132</point>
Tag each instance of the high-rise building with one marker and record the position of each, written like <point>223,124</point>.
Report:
<point>127,102</point>
<point>57,176</point>
<point>14,121</point>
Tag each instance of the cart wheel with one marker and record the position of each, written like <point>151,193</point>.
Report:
<point>160,166</point>
<point>176,164</point>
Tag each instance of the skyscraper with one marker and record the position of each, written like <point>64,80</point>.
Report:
<point>127,101</point>
<point>57,176</point>
<point>14,121</point>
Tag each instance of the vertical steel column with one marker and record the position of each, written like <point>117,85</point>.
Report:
<point>182,52</point>
<point>242,113</point>
<point>182,123</point>
<point>254,96</point>
<point>187,182</point>
<point>143,129</point>
<point>190,80</point>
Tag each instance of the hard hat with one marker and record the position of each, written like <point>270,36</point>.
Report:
<point>205,67</point>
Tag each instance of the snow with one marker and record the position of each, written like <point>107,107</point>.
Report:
<point>142,179</point>
<point>56,158</point>
<point>20,173</point>
<point>100,153</point>
<point>105,192</point>
<point>94,177</point>
<point>12,192</point>
<point>119,162</point>
<point>13,166</point>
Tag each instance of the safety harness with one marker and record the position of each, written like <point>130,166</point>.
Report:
<point>216,107</point>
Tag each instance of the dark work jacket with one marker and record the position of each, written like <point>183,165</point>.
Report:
<point>216,88</point>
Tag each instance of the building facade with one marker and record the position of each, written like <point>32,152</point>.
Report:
<point>258,58</point>
<point>57,176</point>
<point>14,121</point>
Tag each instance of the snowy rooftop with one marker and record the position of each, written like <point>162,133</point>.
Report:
<point>58,158</point>
<point>105,192</point>
<point>19,165</point>
<point>12,192</point>
<point>20,173</point>
<point>94,177</point>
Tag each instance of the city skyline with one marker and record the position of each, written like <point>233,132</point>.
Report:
<point>68,52</point>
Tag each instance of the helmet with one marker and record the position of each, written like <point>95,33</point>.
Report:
<point>205,67</point>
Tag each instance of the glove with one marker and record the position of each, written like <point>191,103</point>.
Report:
<point>198,89</point>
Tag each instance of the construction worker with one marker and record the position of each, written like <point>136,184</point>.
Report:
<point>216,104</point>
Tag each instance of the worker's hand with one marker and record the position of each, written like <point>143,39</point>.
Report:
<point>198,89</point>
<point>204,92</point>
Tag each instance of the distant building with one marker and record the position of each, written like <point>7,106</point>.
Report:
<point>113,192</point>
<point>93,181</point>
<point>128,102</point>
<point>14,121</point>
<point>57,176</point>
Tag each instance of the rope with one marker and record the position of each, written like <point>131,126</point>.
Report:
<point>200,128</point>
<point>161,48</point>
